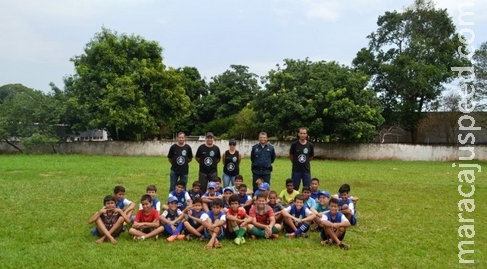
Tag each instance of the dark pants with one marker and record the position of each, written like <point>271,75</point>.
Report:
<point>265,175</point>
<point>297,176</point>
<point>204,178</point>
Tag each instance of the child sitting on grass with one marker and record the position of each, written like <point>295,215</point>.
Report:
<point>286,197</point>
<point>108,220</point>
<point>263,221</point>
<point>195,191</point>
<point>121,202</point>
<point>346,205</point>
<point>184,199</point>
<point>237,220</point>
<point>215,225</point>
<point>334,225</point>
<point>276,206</point>
<point>297,218</point>
<point>320,207</point>
<point>146,223</point>
<point>195,217</point>
<point>172,219</point>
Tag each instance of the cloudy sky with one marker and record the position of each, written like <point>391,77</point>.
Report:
<point>38,37</point>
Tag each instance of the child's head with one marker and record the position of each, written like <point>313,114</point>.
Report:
<point>299,201</point>
<point>333,205</point>
<point>238,180</point>
<point>261,200</point>
<point>216,205</point>
<point>227,192</point>
<point>196,186</point>
<point>119,192</point>
<point>315,183</point>
<point>180,185</point>
<point>151,190</point>
<point>234,202</point>
<point>289,185</point>
<point>109,202</point>
<point>197,204</point>
<point>242,190</point>
<point>306,192</point>
<point>324,197</point>
<point>212,188</point>
<point>259,181</point>
<point>218,181</point>
<point>264,188</point>
<point>344,190</point>
<point>172,203</point>
<point>146,201</point>
<point>272,197</point>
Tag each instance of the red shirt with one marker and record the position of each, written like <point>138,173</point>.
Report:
<point>262,218</point>
<point>240,214</point>
<point>142,217</point>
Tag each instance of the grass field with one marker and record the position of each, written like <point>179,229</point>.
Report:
<point>408,216</point>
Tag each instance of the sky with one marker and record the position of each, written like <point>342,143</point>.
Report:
<point>38,37</point>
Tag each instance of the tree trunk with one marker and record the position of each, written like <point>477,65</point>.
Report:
<point>11,144</point>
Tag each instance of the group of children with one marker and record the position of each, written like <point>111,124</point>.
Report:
<point>231,212</point>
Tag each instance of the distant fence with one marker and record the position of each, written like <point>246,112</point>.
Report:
<point>404,152</point>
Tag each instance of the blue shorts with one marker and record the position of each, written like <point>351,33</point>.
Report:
<point>219,237</point>
<point>354,220</point>
<point>95,232</point>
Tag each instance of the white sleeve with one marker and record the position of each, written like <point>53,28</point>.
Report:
<point>170,195</point>
<point>287,209</point>
<point>179,212</point>
<point>204,217</point>
<point>352,208</point>
<point>307,212</point>
<point>126,202</point>
<point>187,197</point>
<point>158,207</point>
<point>164,214</point>
<point>344,219</point>
<point>140,206</point>
<point>324,217</point>
<point>223,217</point>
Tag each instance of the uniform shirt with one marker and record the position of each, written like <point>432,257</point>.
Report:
<point>277,207</point>
<point>231,166</point>
<point>171,216</point>
<point>262,157</point>
<point>301,214</point>
<point>263,217</point>
<point>220,216</point>
<point>339,217</point>
<point>349,202</point>
<point>123,203</point>
<point>180,158</point>
<point>217,194</point>
<point>200,215</point>
<point>183,198</point>
<point>301,156</point>
<point>209,157</point>
<point>142,217</point>
<point>193,194</point>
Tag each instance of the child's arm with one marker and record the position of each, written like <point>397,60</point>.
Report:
<point>233,218</point>
<point>124,216</point>
<point>130,208</point>
<point>311,216</point>
<point>249,202</point>
<point>97,215</point>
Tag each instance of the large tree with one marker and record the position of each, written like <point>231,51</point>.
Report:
<point>410,58</point>
<point>480,65</point>
<point>328,98</point>
<point>28,115</point>
<point>121,84</point>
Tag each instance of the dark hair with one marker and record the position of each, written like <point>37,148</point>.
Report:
<point>118,189</point>
<point>315,179</point>
<point>333,200</point>
<point>181,133</point>
<point>289,181</point>
<point>272,192</point>
<point>344,188</point>
<point>299,197</point>
<point>261,195</point>
<point>306,188</point>
<point>196,184</point>
<point>181,183</point>
<point>146,197</point>
<point>197,200</point>
<point>242,186</point>
<point>234,198</point>
<point>217,179</point>
<point>218,202</point>
<point>239,177</point>
<point>151,188</point>
<point>108,198</point>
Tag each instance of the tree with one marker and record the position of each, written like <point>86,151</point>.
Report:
<point>480,66</point>
<point>28,115</point>
<point>122,85</point>
<point>327,98</point>
<point>410,58</point>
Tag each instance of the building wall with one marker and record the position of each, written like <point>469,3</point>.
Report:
<point>404,152</point>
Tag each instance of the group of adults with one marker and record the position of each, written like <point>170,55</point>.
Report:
<point>262,157</point>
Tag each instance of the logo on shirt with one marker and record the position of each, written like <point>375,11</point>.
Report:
<point>305,150</point>
<point>208,161</point>
<point>183,152</point>
<point>180,160</point>
<point>230,166</point>
<point>302,158</point>
<point>234,159</point>
<point>212,153</point>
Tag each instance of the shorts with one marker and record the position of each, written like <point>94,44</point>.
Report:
<point>147,230</point>
<point>219,237</point>
<point>289,230</point>
<point>325,236</point>
<point>353,221</point>
<point>95,232</point>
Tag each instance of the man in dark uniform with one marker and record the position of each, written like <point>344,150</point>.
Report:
<point>262,156</point>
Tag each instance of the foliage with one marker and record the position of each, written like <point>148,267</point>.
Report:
<point>122,85</point>
<point>329,99</point>
<point>480,65</point>
<point>244,126</point>
<point>28,115</point>
<point>410,57</point>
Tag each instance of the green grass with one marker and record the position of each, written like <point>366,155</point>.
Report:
<point>408,216</point>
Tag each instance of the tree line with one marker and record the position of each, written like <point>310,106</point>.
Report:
<point>121,84</point>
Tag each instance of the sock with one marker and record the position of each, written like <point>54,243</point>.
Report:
<point>241,232</point>
<point>274,230</point>
<point>303,227</point>
<point>179,228</point>
<point>257,232</point>
<point>168,229</point>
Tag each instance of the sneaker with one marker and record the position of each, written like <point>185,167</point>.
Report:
<point>141,238</point>
<point>180,236</point>
<point>290,235</point>
<point>275,236</point>
<point>242,240</point>
<point>188,237</point>
<point>344,246</point>
<point>171,238</point>
<point>237,241</point>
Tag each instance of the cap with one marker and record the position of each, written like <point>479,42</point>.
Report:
<point>232,142</point>
<point>209,134</point>
<point>172,199</point>
<point>325,193</point>
<point>265,186</point>
<point>212,185</point>
<point>228,189</point>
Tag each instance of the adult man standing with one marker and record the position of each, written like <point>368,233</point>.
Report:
<point>262,156</point>
<point>208,156</point>
<point>300,153</point>
<point>180,155</point>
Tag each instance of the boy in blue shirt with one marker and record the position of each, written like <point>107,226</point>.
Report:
<point>315,192</point>
<point>108,221</point>
<point>209,196</point>
<point>183,197</point>
<point>334,225</point>
<point>195,191</point>
<point>215,225</point>
<point>172,219</point>
<point>346,205</point>
<point>195,217</point>
<point>121,202</point>
<point>297,218</point>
